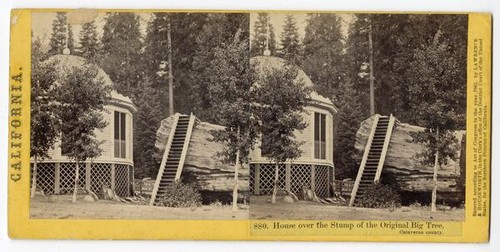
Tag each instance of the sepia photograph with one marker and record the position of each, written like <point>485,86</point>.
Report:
<point>246,115</point>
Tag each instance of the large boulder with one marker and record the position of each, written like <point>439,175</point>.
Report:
<point>202,168</point>
<point>402,164</point>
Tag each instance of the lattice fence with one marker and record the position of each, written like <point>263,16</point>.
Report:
<point>322,181</point>
<point>45,177</point>
<point>251,181</point>
<point>300,178</point>
<point>131,178</point>
<point>267,172</point>
<point>100,175</point>
<point>121,180</point>
<point>68,173</point>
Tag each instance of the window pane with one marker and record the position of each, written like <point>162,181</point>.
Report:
<point>323,127</point>
<point>323,150</point>
<point>122,145</point>
<point>122,126</point>
<point>116,124</point>
<point>316,126</point>
<point>117,148</point>
<point>316,149</point>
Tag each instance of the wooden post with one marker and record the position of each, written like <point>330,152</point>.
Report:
<point>87,176</point>
<point>372,88</point>
<point>313,175</point>
<point>257,180</point>
<point>113,177</point>
<point>57,178</point>
<point>288,176</point>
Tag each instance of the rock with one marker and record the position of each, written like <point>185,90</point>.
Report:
<point>93,195</point>
<point>88,198</point>
<point>288,199</point>
<point>402,164</point>
<point>202,168</point>
<point>308,194</point>
<point>108,193</point>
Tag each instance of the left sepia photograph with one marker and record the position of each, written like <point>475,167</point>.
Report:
<point>124,123</point>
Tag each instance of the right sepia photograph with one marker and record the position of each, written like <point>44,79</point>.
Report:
<point>364,118</point>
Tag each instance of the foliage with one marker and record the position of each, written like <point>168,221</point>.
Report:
<point>89,43</point>
<point>81,96</point>
<point>323,58</point>
<point>185,28</point>
<point>180,195</point>
<point>121,51</point>
<point>217,35</point>
<point>147,120</point>
<point>61,31</point>
<point>260,36</point>
<point>380,196</point>
<point>436,90</point>
<point>290,43</point>
<point>281,97</point>
<point>44,122</point>
<point>348,119</point>
<point>232,95</point>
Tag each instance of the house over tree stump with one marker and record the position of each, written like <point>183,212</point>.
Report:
<point>114,168</point>
<point>413,178</point>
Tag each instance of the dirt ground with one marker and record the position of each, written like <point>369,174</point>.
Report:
<point>42,207</point>
<point>61,207</point>
<point>261,208</point>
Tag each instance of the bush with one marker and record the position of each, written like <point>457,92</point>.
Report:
<point>180,195</point>
<point>380,196</point>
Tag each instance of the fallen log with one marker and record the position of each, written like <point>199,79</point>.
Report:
<point>401,162</point>
<point>202,168</point>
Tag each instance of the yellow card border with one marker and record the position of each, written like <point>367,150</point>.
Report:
<point>474,229</point>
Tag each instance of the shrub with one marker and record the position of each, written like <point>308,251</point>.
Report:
<point>180,195</point>
<point>380,196</point>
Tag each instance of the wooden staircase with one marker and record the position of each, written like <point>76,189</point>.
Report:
<point>174,155</point>
<point>373,160</point>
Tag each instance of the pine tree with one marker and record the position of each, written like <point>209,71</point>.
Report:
<point>121,51</point>
<point>260,36</point>
<point>185,28</point>
<point>89,43</point>
<point>290,42</point>
<point>323,54</point>
<point>146,123</point>
<point>61,33</point>
<point>218,32</point>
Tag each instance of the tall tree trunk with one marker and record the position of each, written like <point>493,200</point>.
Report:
<point>372,88</point>
<point>170,75</point>
<point>33,182</point>
<point>434,177</point>
<point>275,184</point>
<point>77,177</point>
<point>236,170</point>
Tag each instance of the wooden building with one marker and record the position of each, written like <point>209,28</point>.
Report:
<point>114,167</point>
<point>314,169</point>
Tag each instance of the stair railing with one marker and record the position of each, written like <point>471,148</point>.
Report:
<point>363,161</point>
<point>387,139</point>
<point>164,159</point>
<point>185,147</point>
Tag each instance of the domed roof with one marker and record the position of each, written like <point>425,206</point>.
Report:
<point>63,63</point>
<point>267,63</point>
